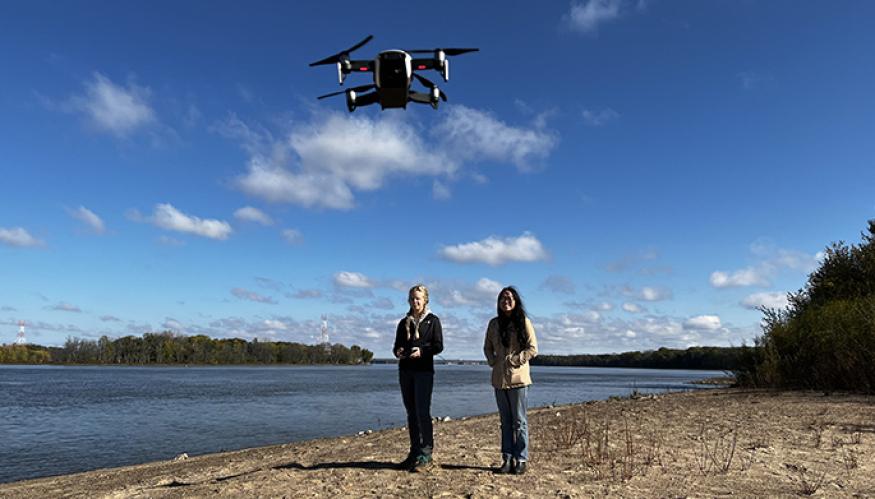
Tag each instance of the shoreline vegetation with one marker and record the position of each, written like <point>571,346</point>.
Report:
<point>746,442</point>
<point>168,348</point>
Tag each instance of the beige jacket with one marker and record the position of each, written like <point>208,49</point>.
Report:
<point>510,366</point>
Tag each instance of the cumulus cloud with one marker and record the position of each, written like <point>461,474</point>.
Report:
<point>109,318</point>
<point>632,308</point>
<point>89,218</point>
<point>776,300</point>
<point>655,294</point>
<point>304,294</point>
<point>471,133</point>
<point>703,322</point>
<point>494,251</point>
<point>113,108</point>
<point>322,164</point>
<point>336,155</point>
<point>250,214</point>
<point>245,294</point>
<point>771,260</point>
<point>352,280</point>
<point>600,118</point>
<point>586,16</point>
<point>18,236</point>
<point>749,276</point>
<point>168,217</point>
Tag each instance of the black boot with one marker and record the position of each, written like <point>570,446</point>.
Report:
<point>520,468</point>
<point>506,467</point>
<point>407,462</point>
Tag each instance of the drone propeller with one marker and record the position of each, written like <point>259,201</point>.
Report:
<point>445,51</point>
<point>425,81</point>
<point>343,54</point>
<point>360,88</point>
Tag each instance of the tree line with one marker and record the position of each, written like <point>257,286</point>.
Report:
<point>710,358</point>
<point>170,348</point>
<point>825,337</point>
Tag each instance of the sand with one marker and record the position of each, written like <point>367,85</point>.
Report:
<point>701,444</point>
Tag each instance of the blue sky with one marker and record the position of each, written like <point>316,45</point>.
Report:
<point>645,172</point>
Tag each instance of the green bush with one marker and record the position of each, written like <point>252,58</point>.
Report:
<point>825,338</point>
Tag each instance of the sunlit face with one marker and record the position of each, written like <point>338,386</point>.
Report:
<point>506,303</point>
<point>417,302</point>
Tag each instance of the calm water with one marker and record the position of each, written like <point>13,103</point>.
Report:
<point>56,420</point>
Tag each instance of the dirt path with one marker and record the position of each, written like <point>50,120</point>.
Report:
<point>709,443</point>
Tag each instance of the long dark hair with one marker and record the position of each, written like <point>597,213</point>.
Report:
<point>517,318</point>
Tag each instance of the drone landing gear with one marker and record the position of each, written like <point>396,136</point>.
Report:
<point>432,98</point>
<point>353,100</point>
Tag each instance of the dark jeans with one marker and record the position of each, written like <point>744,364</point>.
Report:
<point>416,391</point>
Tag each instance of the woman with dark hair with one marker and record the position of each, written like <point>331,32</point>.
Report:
<point>418,338</point>
<point>510,344</point>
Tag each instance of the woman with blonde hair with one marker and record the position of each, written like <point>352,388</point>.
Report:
<point>418,338</point>
<point>510,344</point>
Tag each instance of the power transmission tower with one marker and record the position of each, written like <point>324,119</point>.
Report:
<point>21,339</point>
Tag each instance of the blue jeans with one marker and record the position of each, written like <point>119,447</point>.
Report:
<point>512,404</point>
<point>416,388</point>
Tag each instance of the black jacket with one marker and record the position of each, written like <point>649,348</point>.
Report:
<point>430,343</point>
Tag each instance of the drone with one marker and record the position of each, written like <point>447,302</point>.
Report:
<point>394,72</point>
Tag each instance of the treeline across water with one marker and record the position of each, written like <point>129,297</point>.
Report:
<point>169,348</point>
<point>710,358</point>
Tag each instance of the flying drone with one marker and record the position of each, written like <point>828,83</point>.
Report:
<point>394,72</point>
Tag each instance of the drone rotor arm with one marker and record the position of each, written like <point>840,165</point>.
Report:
<point>343,54</point>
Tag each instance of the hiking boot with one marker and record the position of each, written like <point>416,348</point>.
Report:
<point>506,467</point>
<point>520,468</point>
<point>422,463</point>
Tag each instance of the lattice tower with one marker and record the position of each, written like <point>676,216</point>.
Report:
<point>21,339</point>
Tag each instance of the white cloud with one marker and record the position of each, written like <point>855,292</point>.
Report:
<point>292,236</point>
<point>113,108</point>
<point>495,251</point>
<point>17,236</point>
<point>250,214</point>
<point>474,134</point>
<point>89,218</point>
<point>655,294</point>
<point>352,280</point>
<point>588,15</point>
<point>488,286</point>
<point>600,118</point>
<point>771,261</point>
<point>168,217</point>
<point>322,164</point>
<point>749,276</point>
<point>245,294</point>
<point>275,324</point>
<point>700,322</point>
<point>632,308</point>
<point>336,155</point>
<point>775,299</point>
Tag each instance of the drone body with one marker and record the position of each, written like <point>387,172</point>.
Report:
<point>393,72</point>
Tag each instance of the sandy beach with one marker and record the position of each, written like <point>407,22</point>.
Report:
<point>703,444</point>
